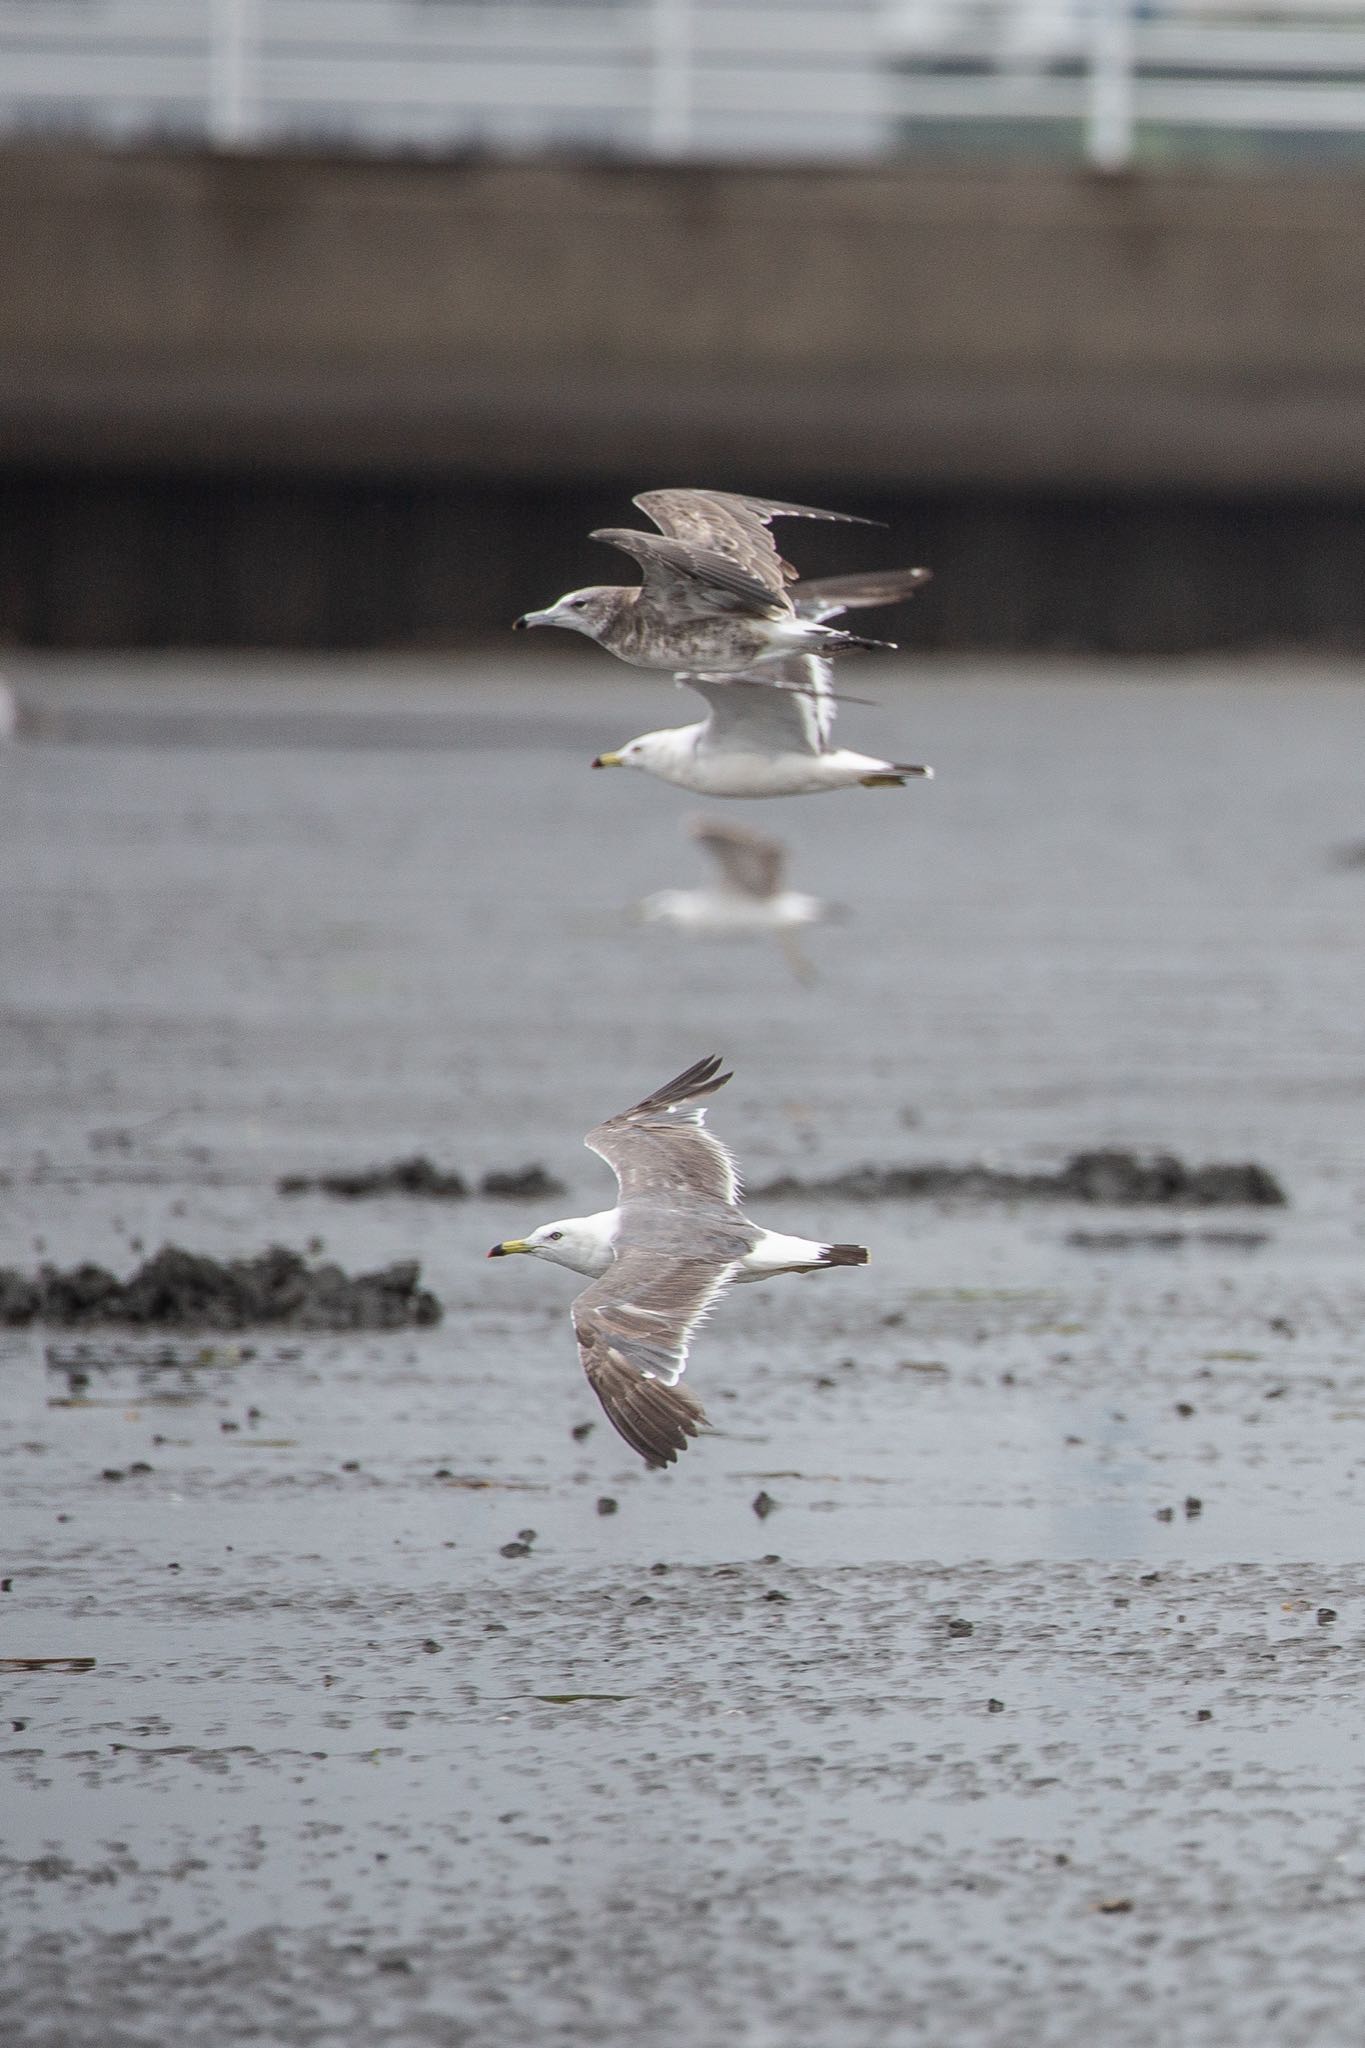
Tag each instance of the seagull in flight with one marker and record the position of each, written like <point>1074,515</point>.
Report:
<point>747,898</point>
<point>714,599</point>
<point>661,1259</point>
<point>766,733</point>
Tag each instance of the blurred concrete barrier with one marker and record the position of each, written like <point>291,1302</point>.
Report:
<point>888,332</point>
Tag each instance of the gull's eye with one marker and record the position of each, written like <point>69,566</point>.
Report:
<point>554,1237</point>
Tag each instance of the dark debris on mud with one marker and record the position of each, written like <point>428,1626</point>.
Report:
<point>418,1176</point>
<point>1112,1179</point>
<point>1165,1240</point>
<point>183,1290</point>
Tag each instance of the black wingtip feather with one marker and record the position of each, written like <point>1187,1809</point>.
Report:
<point>702,1078</point>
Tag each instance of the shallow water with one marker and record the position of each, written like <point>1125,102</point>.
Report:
<point>259,920</point>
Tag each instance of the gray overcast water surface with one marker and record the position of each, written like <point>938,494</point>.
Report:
<point>1031,1714</point>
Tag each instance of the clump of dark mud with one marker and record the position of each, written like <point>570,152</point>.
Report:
<point>418,1176</point>
<point>526,1184</point>
<point>182,1290</point>
<point>1165,1240</point>
<point>415,1176</point>
<point>1113,1179</point>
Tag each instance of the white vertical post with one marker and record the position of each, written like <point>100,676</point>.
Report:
<point>670,97</point>
<point>1110,114</point>
<point>234,33</point>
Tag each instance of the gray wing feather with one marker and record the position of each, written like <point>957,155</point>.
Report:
<point>634,1326</point>
<point>827,597</point>
<point>696,580</point>
<point>749,861</point>
<point>661,1148</point>
<point>734,525</point>
<point>787,706</point>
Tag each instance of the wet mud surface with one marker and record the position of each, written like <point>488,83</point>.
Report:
<point>361,1686</point>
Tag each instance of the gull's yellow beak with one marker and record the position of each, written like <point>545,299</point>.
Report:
<point>607,761</point>
<point>508,1246</point>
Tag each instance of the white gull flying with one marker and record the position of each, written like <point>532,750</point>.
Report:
<point>661,1259</point>
<point>766,734</point>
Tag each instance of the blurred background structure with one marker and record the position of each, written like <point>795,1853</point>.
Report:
<point>338,322</point>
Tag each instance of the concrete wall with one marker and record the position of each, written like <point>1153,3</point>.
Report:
<point>216,373</point>
<point>899,325</point>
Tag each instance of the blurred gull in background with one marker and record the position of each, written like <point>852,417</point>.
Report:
<point>747,899</point>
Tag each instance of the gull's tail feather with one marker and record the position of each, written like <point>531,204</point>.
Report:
<point>894,774</point>
<point>845,1255</point>
<point>834,640</point>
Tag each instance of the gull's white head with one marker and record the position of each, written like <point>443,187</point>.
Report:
<point>588,611</point>
<point>655,752</point>
<point>582,1243</point>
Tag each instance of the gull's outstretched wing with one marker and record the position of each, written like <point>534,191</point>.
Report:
<point>727,523</point>
<point>661,1149</point>
<point>826,597</point>
<point>750,862</point>
<point>785,707</point>
<point>633,1327</point>
<point>694,581</point>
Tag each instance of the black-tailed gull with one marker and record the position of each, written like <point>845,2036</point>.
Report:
<point>714,599</point>
<point>661,1259</point>
<point>766,734</point>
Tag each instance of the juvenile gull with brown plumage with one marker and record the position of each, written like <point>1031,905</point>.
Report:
<point>661,1259</point>
<point>714,597</point>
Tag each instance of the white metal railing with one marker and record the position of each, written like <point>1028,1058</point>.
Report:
<point>1112,67</point>
<point>661,77</point>
<point>676,78</point>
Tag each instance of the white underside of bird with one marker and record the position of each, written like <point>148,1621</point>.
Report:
<point>587,1244</point>
<point>683,757</point>
<point>722,913</point>
<point>766,735</point>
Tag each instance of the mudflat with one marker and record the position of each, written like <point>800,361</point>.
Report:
<point>990,1675</point>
